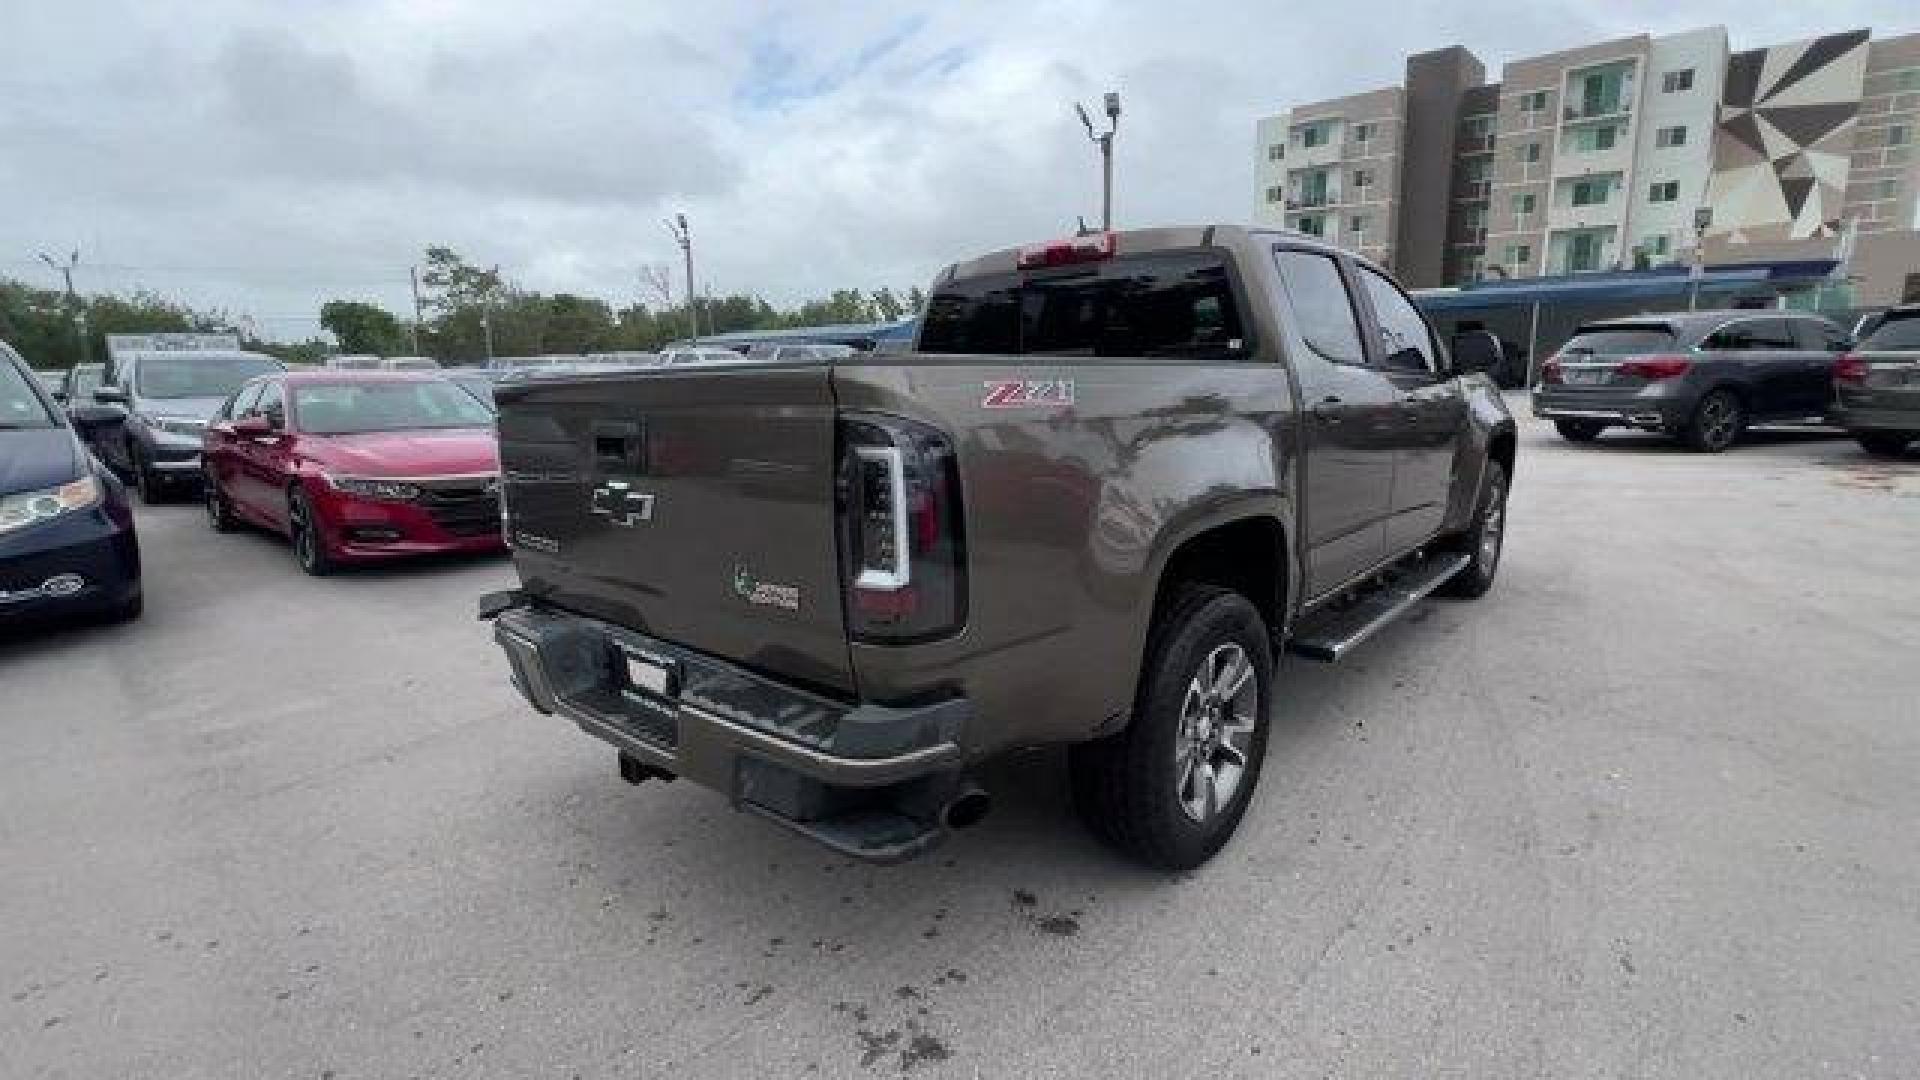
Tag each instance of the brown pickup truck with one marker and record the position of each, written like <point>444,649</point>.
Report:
<point>1114,477</point>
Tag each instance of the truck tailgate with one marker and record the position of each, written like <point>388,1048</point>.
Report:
<point>693,505</point>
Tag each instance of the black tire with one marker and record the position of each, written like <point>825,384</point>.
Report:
<point>309,551</point>
<point>1134,788</point>
<point>1579,430</point>
<point>1884,443</point>
<point>1716,423</point>
<point>219,511</point>
<point>1485,540</point>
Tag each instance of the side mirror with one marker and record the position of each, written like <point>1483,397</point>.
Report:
<point>252,427</point>
<point>110,395</point>
<point>1476,353</point>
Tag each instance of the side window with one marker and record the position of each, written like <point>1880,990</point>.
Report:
<point>1406,343</point>
<point>1775,335</point>
<point>241,402</point>
<point>1733,338</point>
<point>1321,304</point>
<point>272,405</point>
<point>1813,335</point>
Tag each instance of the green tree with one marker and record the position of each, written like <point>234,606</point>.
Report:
<point>887,306</point>
<point>363,328</point>
<point>916,301</point>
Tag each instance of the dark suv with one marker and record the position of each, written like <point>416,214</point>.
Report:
<point>1877,386</point>
<point>1700,376</point>
<point>166,397</point>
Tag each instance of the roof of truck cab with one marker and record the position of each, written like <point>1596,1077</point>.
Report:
<point>1132,242</point>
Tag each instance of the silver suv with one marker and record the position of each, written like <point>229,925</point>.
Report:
<point>1701,376</point>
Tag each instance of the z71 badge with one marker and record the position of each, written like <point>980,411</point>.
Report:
<point>1028,394</point>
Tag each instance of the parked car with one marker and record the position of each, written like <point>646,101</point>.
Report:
<point>164,399</point>
<point>769,352</point>
<point>699,355</point>
<point>476,381</point>
<point>1148,460</point>
<point>78,383</point>
<point>67,540</point>
<point>356,466</point>
<point>1877,385</point>
<point>1702,377</point>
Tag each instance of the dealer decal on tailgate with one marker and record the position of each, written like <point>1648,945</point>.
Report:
<point>1028,394</point>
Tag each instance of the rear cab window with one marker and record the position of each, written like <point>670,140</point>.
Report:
<point>1170,304</point>
<point>1603,342</point>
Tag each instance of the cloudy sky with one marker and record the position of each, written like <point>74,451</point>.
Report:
<point>266,156</point>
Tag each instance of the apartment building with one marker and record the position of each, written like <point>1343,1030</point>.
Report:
<point>1632,153</point>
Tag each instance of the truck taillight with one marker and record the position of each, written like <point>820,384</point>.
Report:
<point>1656,368</point>
<point>1850,369</point>
<point>902,552</point>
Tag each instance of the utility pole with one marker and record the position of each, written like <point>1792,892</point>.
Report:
<point>74,317</point>
<point>1104,140</point>
<point>677,228</point>
<point>413,275</point>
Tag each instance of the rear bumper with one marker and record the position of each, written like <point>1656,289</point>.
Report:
<point>1854,418</point>
<point>868,781</point>
<point>1631,409</point>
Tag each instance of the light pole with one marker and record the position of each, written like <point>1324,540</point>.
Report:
<point>677,228</point>
<point>74,317</point>
<point>1702,219</point>
<point>1104,140</point>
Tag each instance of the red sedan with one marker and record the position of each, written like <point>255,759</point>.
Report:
<point>356,466</point>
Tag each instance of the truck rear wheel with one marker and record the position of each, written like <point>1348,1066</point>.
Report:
<point>1485,540</point>
<point>1171,788</point>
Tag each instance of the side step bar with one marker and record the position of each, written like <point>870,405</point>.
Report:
<point>1329,637</point>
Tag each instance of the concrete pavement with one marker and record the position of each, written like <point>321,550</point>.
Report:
<point>1647,809</point>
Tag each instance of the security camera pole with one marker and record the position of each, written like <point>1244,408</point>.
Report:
<point>682,236</point>
<point>1104,140</point>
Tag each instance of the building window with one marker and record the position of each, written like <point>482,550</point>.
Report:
<point>1313,135</point>
<point>1523,203</point>
<point>1363,133</point>
<point>1592,140</point>
<point>1277,152</point>
<point>1534,103</point>
<point>1519,255</point>
<point>1591,192</point>
<point>1897,135</point>
<point>1357,225</point>
<point>1671,136</point>
<point>1473,170</point>
<point>1907,81</point>
<point>1527,153</point>
<point>1276,194</point>
<point>1674,82</point>
<point>1657,247</point>
<point>1886,189</point>
<point>1664,191</point>
<point>1477,127</point>
<point>1362,179</point>
<point>1311,224</point>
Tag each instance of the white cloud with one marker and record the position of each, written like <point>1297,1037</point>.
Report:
<point>265,160</point>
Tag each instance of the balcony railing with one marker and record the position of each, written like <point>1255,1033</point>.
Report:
<point>1601,111</point>
<point>1309,202</point>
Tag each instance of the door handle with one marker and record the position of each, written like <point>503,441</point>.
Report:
<point>1328,410</point>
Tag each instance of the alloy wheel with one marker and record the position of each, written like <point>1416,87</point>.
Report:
<point>1491,527</point>
<point>1216,732</point>
<point>1719,420</point>
<point>305,542</point>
